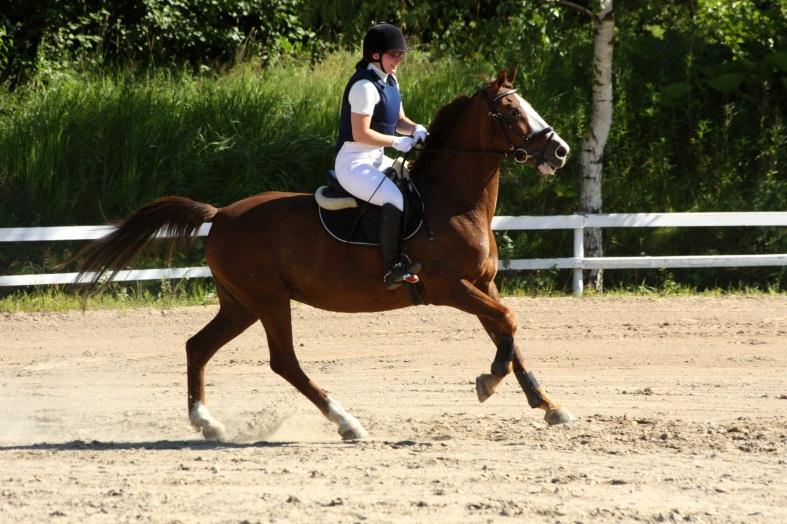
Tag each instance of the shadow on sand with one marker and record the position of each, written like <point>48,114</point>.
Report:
<point>95,445</point>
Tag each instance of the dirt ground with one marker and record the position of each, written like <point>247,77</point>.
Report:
<point>681,406</point>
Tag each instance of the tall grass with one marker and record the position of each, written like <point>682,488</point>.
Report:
<point>96,146</point>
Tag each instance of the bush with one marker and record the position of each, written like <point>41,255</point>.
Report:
<point>50,35</point>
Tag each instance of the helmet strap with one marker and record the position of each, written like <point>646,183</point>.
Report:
<point>379,61</point>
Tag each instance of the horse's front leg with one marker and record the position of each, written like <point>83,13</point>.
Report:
<point>498,321</point>
<point>502,334</point>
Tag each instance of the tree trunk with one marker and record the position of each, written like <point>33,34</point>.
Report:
<point>596,137</point>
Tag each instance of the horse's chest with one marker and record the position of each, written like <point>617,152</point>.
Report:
<point>470,247</point>
<point>484,245</point>
<point>476,238</point>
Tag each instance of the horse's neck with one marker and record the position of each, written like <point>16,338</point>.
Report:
<point>463,185</point>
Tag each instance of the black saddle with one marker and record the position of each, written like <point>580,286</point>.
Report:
<point>355,221</point>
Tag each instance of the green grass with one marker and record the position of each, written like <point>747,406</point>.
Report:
<point>674,289</point>
<point>545,286</point>
<point>164,295</point>
<point>198,292</point>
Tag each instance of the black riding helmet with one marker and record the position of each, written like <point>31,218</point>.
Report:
<point>382,38</point>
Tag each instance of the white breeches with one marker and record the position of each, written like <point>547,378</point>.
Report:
<point>359,170</point>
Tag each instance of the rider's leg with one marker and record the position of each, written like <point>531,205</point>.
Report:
<point>396,271</point>
<point>361,175</point>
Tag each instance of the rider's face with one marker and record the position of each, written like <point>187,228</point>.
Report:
<point>391,60</point>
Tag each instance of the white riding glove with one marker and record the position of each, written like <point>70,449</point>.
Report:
<point>403,143</point>
<point>420,133</point>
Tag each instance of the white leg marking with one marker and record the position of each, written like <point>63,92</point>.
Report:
<point>349,427</point>
<point>212,429</point>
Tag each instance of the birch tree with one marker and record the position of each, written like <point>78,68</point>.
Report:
<point>592,156</point>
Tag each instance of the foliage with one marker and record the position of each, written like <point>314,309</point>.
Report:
<point>50,34</point>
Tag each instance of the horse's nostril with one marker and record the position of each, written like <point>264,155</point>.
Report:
<point>561,152</point>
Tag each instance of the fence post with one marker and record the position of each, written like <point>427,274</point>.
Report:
<point>579,254</point>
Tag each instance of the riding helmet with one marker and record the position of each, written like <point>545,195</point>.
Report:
<point>382,38</point>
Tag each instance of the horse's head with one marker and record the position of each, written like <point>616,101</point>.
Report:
<point>529,138</point>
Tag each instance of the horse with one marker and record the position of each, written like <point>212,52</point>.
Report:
<point>270,249</point>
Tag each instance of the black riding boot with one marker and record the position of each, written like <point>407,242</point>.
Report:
<point>396,272</point>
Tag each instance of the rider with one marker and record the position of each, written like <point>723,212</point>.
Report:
<point>371,115</point>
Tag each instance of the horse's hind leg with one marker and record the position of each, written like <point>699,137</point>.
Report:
<point>277,320</point>
<point>231,320</point>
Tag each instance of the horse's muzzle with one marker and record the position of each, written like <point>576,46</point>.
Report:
<point>556,152</point>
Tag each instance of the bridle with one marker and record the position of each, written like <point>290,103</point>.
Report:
<point>519,152</point>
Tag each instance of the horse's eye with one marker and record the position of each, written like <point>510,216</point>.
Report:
<point>514,112</point>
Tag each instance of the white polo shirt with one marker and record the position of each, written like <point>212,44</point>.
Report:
<point>363,96</point>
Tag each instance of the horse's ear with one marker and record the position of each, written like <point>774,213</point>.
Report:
<point>512,76</point>
<point>502,76</point>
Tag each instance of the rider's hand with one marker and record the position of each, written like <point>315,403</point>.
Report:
<point>403,143</point>
<point>420,133</point>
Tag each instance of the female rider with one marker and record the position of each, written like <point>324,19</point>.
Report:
<point>371,115</point>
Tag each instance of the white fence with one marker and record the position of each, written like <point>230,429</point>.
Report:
<point>577,262</point>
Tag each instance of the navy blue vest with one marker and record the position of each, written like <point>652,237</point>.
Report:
<point>386,112</point>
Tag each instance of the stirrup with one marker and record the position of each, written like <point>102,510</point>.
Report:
<point>398,274</point>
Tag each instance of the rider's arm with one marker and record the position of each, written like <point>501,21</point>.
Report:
<point>363,132</point>
<point>404,126</point>
<point>363,97</point>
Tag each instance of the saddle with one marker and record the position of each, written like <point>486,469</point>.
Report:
<point>354,221</point>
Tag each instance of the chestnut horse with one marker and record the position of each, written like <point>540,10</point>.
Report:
<point>269,249</point>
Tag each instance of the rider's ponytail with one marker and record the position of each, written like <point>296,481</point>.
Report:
<point>362,64</point>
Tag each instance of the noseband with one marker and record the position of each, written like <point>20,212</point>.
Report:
<point>518,152</point>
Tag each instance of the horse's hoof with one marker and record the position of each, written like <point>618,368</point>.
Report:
<point>558,416</point>
<point>215,432</point>
<point>482,387</point>
<point>354,433</point>
<point>201,419</point>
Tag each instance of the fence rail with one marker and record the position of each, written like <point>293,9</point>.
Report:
<point>500,223</point>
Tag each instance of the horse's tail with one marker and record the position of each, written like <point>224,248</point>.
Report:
<point>174,219</point>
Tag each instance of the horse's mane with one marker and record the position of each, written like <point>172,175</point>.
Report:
<point>439,130</point>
